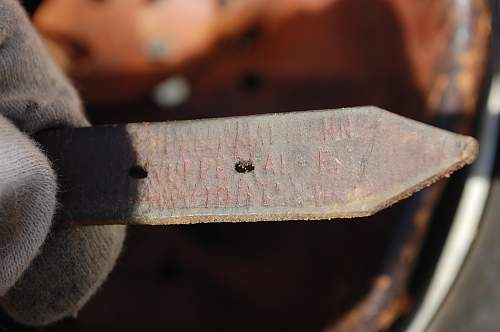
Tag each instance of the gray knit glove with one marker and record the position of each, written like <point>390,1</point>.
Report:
<point>47,271</point>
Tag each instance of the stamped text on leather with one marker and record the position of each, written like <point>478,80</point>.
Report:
<point>304,165</point>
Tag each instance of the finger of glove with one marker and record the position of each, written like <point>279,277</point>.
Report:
<point>73,263</point>
<point>35,94</point>
<point>27,202</point>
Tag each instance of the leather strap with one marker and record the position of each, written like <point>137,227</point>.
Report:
<point>313,165</point>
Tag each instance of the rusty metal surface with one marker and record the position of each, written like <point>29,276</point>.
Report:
<point>341,163</point>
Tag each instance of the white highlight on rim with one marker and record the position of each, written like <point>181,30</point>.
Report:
<point>467,218</point>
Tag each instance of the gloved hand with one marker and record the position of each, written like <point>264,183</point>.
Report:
<point>47,271</point>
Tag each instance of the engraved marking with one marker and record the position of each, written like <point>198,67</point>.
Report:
<point>207,197</point>
<point>219,171</point>
<point>347,132</point>
<point>222,137</point>
<point>270,134</point>
<point>203,168</point>
<point>236,140</point>
<point>269,165</point>
<point>367,155</point>
<point>336,128</point>
<point>325,129</point>
<point>269,193</point>
<point>248,196</point>
<point>287,139</point>
<point>247,138</point>
<point>320,161</point>
<point>184,197</point>
<point>220,149</point>
<point>185,169</point>
<point>339,162</point>
<point>282,164</point>
<point>172,171</point>
<point>244,190</point>
<point>325,163</point>
<point>296,198</point>
<point>266,200</point>
<point>238,188</point>
<point>260,135</point>
<point>227,195</point>
<point>318,194</point>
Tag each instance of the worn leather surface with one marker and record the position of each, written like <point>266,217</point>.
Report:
<point>316,165</point>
